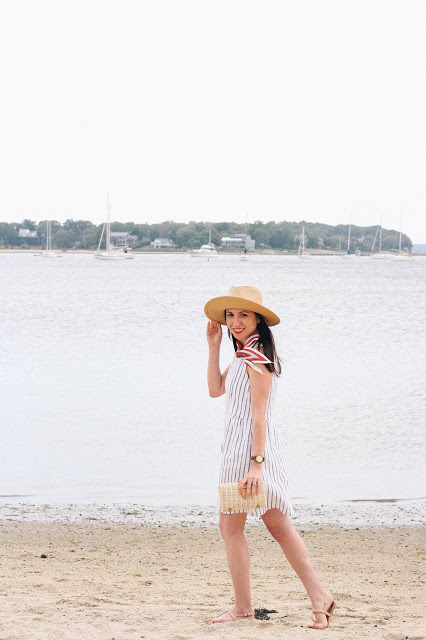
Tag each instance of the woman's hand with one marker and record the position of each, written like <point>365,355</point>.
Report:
<point>214,334</point>
<point>252,481</point>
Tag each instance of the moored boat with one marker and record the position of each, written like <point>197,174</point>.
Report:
<point>48,252</point>
<point>301,252</point>
<point>111,252</point>
<point>206,250</point>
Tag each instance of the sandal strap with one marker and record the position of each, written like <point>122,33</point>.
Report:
<point>326,613</point>
<point>234,616</point>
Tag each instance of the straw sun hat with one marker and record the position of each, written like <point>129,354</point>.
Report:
<point>247,298</point>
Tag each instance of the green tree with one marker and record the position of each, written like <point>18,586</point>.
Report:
<point>168,230</point>
<point>41,228</point>
<point>312,241</point>
<point>64,239</point>
<point>122,226</point>
<point>8,234</point>
<point>280,238</point>
<point>28,224</point>
<point>223,228</point>
<point>216,237</point>
<point>142,230</point>
<point>333,242</point>
<point>90,237</point>
<point>261,235</point>
<point>186,236</point>
<point>78,226</point>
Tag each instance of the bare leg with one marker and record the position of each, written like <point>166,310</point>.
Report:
<point>237,553</point>
<point>281,528</point>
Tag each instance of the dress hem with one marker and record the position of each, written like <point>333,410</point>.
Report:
<point>257,513</point>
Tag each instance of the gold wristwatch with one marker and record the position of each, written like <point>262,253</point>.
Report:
<point>258,458</point>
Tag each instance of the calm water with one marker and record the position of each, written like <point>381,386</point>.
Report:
<point>103,392</point>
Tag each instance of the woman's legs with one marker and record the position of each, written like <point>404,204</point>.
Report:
<point>281,528</point>
<point>237,553</point>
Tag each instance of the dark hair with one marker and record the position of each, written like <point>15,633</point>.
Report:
<point>266,344</point>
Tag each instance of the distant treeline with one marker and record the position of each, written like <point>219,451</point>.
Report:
<point>284,236</point>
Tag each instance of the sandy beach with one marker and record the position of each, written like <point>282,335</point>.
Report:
<point>102,578</point>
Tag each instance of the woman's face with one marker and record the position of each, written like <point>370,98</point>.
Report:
<point>242,324</point>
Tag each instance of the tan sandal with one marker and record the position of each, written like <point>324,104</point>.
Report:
<point>233,615</point>
<point>321,625</point>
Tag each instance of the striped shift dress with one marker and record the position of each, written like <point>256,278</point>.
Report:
<point>238,437</point>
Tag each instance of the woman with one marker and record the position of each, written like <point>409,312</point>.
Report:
<point>252,451</point>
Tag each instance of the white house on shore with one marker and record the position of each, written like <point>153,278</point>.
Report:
<point>238,241</point>
<point>162,243</point>
<point>122,239</point>
<point>26,233</point>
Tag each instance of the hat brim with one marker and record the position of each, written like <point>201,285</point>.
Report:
<point>216,307</point>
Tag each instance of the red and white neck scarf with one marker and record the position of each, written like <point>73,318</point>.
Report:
<point>251,355</point>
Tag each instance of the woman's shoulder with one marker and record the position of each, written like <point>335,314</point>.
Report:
<point>258,368</point>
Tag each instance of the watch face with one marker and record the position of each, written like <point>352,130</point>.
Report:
<point>259,458</point>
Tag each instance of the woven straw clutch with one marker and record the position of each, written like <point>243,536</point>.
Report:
<point>231,499</point>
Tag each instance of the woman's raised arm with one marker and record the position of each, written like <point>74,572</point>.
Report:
<point>215,379</point>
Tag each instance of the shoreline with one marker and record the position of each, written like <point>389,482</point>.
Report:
<point>357,513</point>
<point>160,252</point>
<point>313,253</point>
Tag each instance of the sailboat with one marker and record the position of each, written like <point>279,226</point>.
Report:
<point>301,252</point>
<point>349,254</point>
<point>206,250</point>
<point>402,256</point>
<point>111,252</point>
<point>48,252</point>
<point>244,256</point>
<point>380,255</point>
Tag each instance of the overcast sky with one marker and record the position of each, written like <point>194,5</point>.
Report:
<point>214,110</point>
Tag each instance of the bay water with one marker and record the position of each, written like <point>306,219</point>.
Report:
<point>104,398</point>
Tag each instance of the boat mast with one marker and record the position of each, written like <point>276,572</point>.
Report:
<point>349,235</point>
<point>102,235</point>
<point>380,236</point>
<point>374,243</point>
<point>302,242</point>
<point>108,228</point>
